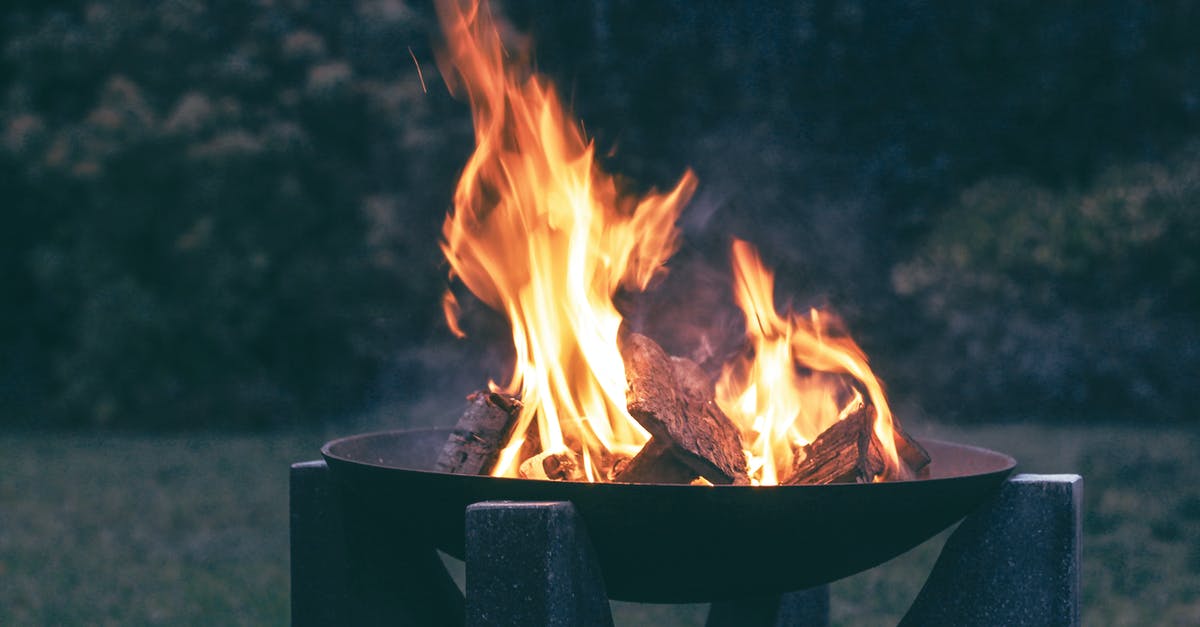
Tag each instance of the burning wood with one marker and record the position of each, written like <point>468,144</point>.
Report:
<point>692,440</point>
<point>850,452</point>
<point>556,466</point>
<point>912,453</point>
<point>655,463</point>
<point>690,435</point>
<point>847,452</point>
<point>541,233</point>
<point>480,434</point>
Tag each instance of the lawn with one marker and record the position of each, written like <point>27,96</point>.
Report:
<point>193,529</point>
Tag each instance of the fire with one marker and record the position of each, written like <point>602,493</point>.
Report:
<point>538,232</point>
<point>794,384</point>
<point>541,234</point>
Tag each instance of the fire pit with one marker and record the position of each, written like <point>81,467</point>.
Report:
<point>362,545</point>
<point>605,467</point>
<point>778,466</point>
<point>679,543</point>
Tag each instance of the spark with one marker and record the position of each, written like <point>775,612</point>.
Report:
<point>420,76</point>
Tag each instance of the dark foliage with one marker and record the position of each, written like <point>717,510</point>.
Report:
<point>919,95</point>
<point>840,136</point>
<point>226,212</point>
<point>213,211</point>
<point>1081,304</point>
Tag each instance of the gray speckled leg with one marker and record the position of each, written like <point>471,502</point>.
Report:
<point>1013,562</point>
<point>532,564</point>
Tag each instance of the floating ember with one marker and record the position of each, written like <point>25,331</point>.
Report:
<point>541,234</point>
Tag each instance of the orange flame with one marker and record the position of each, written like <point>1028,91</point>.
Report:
<point>539,233</point>
<point>779,407</point>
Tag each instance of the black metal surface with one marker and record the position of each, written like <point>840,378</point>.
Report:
<point>344,569</point>
<point>676,543</point>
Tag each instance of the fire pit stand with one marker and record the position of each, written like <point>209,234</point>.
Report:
<point>1014,561</point>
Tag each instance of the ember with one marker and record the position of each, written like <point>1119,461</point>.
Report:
<point>540,233</point>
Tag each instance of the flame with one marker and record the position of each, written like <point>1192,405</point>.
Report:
<point>793,384</point>
<point>541,234</point>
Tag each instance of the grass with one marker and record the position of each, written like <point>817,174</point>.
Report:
<point>127,530</point>
<point>144,530</point>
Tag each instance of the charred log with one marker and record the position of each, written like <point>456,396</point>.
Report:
<point>475,443</point>
<point>655,463</point>
<point>710,435</point>
<point>673,400</point>
<point>555,466</point>
<point>911,452</point>
<point>846,452</point>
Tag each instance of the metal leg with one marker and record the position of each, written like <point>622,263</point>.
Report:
<point>804,608</point>
<point>532,564</point>
<point>319,571</point>
<point>1015,561</point>
<point>338,580</point>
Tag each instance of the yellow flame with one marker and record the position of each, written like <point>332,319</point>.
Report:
<point>793,385</point>
<point>539,233</point>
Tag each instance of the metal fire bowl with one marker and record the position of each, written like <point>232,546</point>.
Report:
<point>674,543</point>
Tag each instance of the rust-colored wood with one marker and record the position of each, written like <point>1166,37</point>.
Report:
<point>672,399</point>
<point>711,437</point>
<point>655,463</point>
<point>846,452</point>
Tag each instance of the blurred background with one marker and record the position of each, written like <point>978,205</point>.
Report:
<point>218,247</point>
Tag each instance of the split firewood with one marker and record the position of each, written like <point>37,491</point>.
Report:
<point>614,464</point>
<point>911,452</point>
<point>715,437</point>
<point>555,466</point>
<point>690,436</point>
<point>475,443</point>
<point>655,463</point>
<point>846,452</point>
<point>913,456</point>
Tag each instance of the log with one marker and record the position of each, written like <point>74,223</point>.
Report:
<point>655,463</point>
<point>688,431</point>
<point>555,466</point>
<point>719,441</point>
<point>846,452</point>
<point>911,452</point>
<point>614,464</point>
<point>485,426</point>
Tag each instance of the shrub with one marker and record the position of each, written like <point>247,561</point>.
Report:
<point>1077,302</point>
<point>215,213</point>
